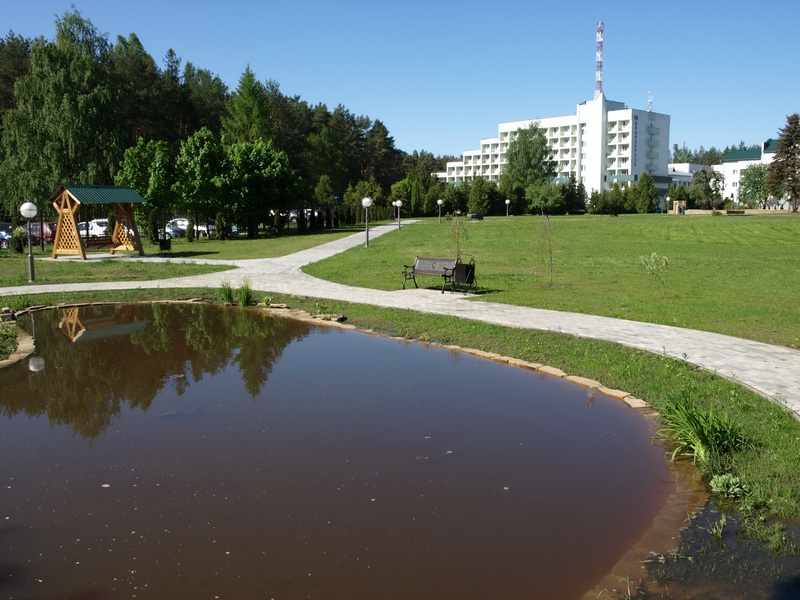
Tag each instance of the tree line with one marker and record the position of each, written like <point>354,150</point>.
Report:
<point>79,109</point>
<point>701,156</point>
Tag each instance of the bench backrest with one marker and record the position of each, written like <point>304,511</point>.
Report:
<point>434,265</point>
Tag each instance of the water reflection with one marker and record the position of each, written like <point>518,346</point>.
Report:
<point>99,358</point>
<point>191,451</point>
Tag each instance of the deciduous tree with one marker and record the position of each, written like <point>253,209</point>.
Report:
<point>198,174</point>
<point>65,126</point>
<point>529,158</point>
<point>753,185</point>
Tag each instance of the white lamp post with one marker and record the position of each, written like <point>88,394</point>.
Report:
<point>29,210</point>
<point>366,203</point>
<point>398,204</point>
<point>440,202</point>
<point>35,363</point>
<point>508,202</point>
<point>666,208</point>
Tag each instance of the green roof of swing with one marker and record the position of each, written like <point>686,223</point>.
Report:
<point>101,194</point>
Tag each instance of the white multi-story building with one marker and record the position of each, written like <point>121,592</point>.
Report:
<point>603,143</point>
<point>733,163</point>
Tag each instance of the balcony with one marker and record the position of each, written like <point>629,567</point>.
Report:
<point>653,130</point>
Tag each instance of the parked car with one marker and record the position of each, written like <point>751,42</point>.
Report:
<point>171,230</point>
<point>5,235</point>
<point>98,227</point>
<point>48,229</point>
<point>183,224</point>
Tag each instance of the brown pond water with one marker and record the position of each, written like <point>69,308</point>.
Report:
<point>189,451</point>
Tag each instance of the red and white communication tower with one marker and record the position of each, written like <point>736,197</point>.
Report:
<point>598,85</point>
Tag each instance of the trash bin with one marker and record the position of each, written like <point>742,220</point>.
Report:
<point>165,244</point>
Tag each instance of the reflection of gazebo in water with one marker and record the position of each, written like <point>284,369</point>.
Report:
<point>69,198</point>
<point>84,330</point>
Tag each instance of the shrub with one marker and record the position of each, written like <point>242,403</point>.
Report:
<point>17,241</point>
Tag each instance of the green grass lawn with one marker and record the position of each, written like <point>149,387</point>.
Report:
<point>14,267</point>
<point>733,275</point>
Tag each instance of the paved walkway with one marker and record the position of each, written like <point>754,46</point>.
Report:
<point>773,371</point>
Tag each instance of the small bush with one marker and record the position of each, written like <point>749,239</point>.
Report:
<point>8,341</point>
<point>17,241</point>
<point>728,486</point>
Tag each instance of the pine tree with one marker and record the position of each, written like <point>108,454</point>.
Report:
<point>783,174</point>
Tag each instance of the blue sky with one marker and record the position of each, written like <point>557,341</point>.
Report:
<point>442,74</point>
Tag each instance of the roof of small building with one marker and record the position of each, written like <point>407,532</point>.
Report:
<point>101,194</point>
<point>771,145</point>
<point>741,155</point>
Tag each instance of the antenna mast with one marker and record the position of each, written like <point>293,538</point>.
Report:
<point>598,85</point>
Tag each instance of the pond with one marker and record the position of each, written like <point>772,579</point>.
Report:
<point>192,451</point>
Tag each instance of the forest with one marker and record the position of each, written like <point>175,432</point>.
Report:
<point>79,109</point>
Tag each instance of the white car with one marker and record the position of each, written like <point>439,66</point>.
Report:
<point>96,227</point>
<point>181,225</point>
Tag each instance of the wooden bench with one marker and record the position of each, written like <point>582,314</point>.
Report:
<point>452,270</point>
<point>101,242</point>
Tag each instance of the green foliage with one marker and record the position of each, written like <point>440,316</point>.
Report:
<point>226,292</point>
<point>753,185</point>
<point>323,193</point>
<point>65,126</point>
<point>530,158</point>
<point>255,180</point>
<point>706,189</point>
<point>8,341</point>
<point>698,433</point>
<point>17,242</point>
<point>246,295</point>
<point>783,173</point>
<point>480,196</point>
<point>249,119</point>
<point>727,485</point>
<point>199,167</point>
<point>645,194</point>
<point>545,198</point>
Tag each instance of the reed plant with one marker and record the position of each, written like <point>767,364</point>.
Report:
<point>699,433</point>
<point>246,295</point>
<point>226,291</point>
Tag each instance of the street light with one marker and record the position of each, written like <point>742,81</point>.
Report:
<point>366,202</point>
<point>440,202</point>
<point>508,202</point>
<point>29,210</point>
<point>666,207</point>
<point>399,203</point>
